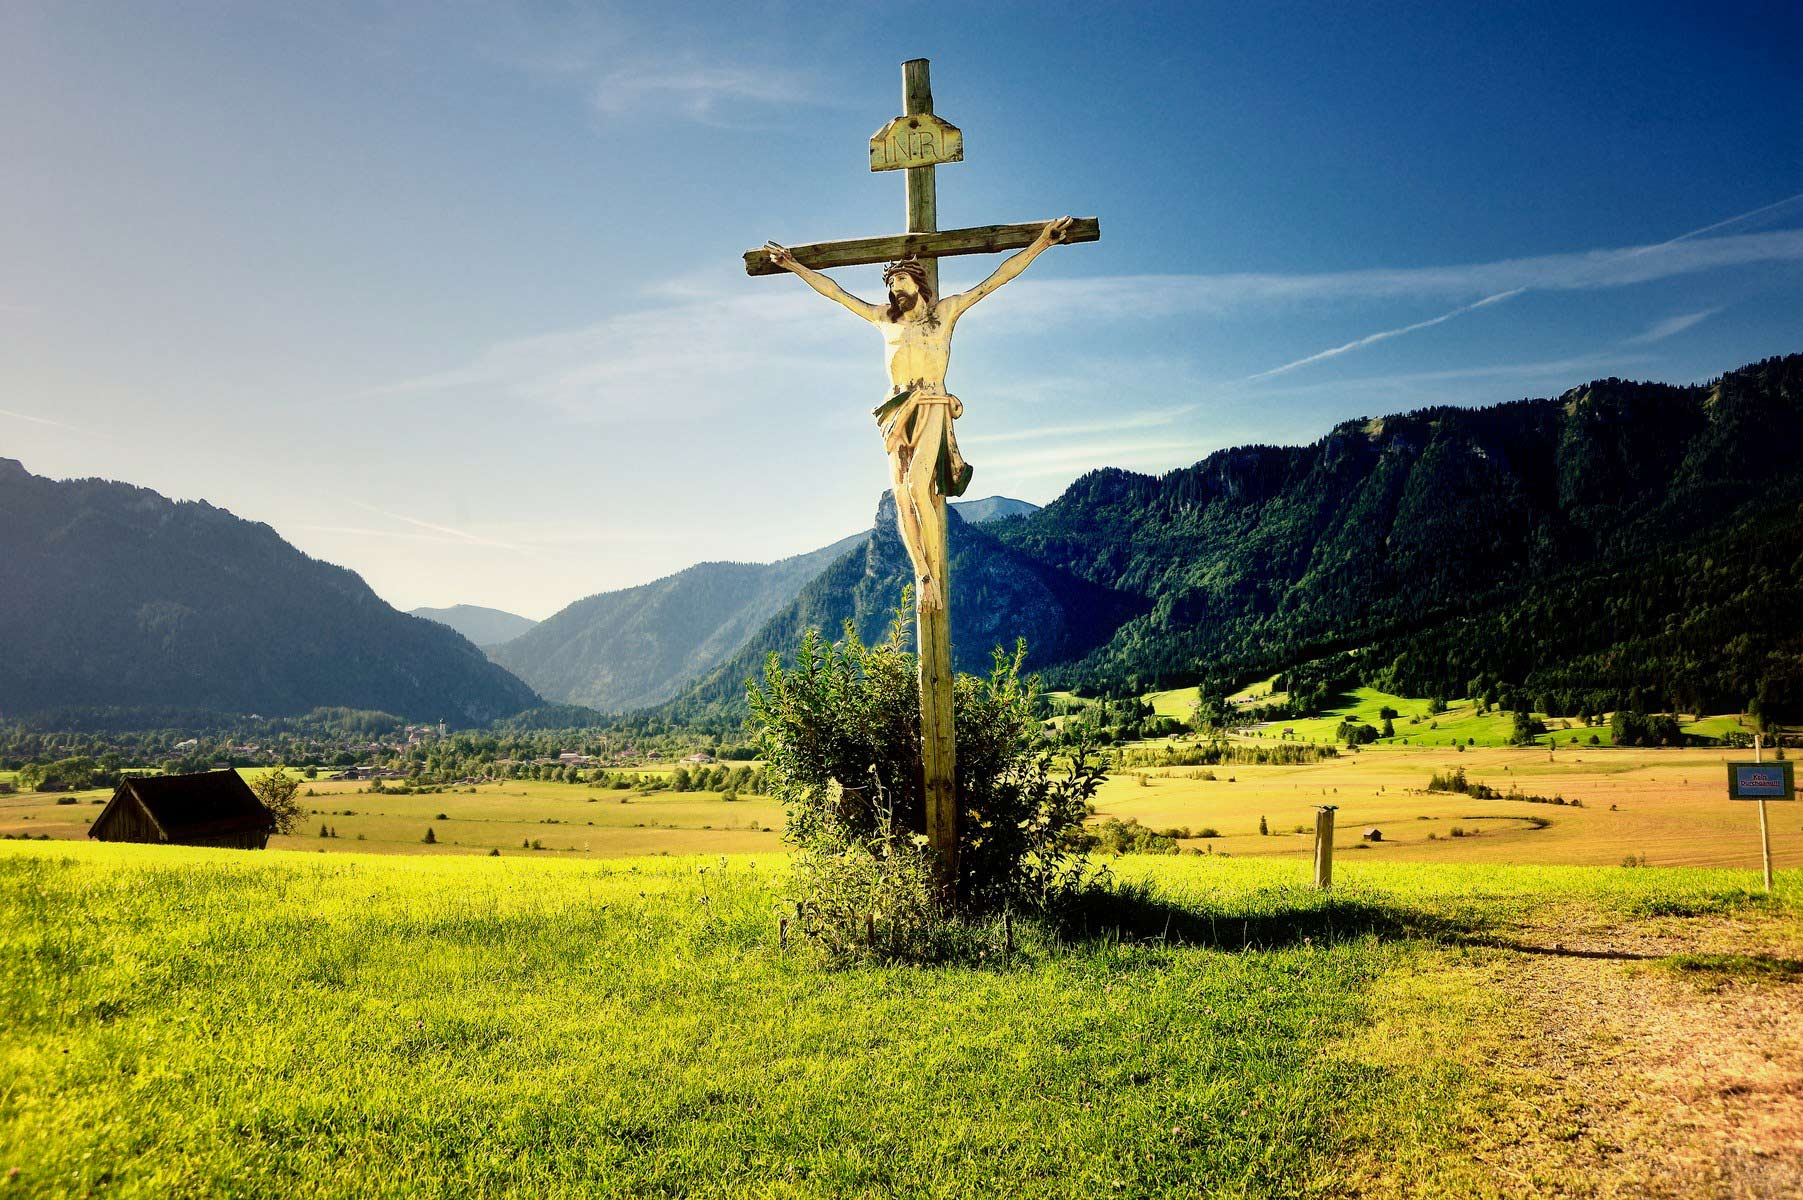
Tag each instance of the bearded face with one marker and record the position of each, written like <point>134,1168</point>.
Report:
<point>905,295</point>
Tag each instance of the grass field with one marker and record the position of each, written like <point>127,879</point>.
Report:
<point>182,1022</point>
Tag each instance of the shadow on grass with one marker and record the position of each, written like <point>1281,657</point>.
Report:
<point>1754,968</point>
<point>1140,915</point>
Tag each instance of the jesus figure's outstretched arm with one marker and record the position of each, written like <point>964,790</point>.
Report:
<point>952,306</point>
<point>820,283</point>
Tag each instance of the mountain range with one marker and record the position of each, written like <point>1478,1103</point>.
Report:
<point>114,596</point>
<point>1623,543</point>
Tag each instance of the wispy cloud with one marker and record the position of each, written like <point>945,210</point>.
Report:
<point>19,416</point>
<point>710,94</point>
<point>406,535</point>
<point>1558,369</point>
<point>1676,250</point>
<point>1138,420</point>
<point>1660,330</point>
<point>667,364</point>
<point>701,347</point>
<point>1135,297</point>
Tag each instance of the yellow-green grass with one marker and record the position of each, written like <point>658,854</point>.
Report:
<point>1262,691</point>
<point>198,1023</point>
<point>565,819</point>
<point>1669,806</point>
<point>1177,703</point>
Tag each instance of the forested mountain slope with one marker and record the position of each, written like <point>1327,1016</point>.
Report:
<point>999,595</point>
<point>112,595</point>
<point>1622,537</point>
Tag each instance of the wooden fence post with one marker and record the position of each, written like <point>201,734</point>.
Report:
<point>1324,846</point>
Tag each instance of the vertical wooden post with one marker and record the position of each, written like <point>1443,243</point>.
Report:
<point>1324,847</point>
<point>1765,830</point>
<point>932,626</point>
<point>923,189</point>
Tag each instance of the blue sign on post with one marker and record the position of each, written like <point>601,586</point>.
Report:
<point>1761,781</point>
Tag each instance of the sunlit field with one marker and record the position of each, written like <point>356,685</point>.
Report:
<point>1664,807</point>
<point>183,1022</point>
<point>1669,806</point>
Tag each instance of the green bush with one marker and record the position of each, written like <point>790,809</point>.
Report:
<point>840,734</point>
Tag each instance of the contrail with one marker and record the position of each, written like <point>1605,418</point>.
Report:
<point>7,412</point>
<point>1746,216</point>
<point>444,529</point>
<point>1384,335</point>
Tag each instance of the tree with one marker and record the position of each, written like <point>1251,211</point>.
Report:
<point>280,794</point>
<point>431,839</point>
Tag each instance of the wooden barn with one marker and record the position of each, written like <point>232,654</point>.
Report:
<point>213,808</point>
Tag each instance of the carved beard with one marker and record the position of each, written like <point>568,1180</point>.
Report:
<point>902,303</point>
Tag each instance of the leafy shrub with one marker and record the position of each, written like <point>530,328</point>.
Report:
<point>840,734</point>
<point>1115,836</point>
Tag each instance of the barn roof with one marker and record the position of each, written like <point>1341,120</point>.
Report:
<point>199,805</point>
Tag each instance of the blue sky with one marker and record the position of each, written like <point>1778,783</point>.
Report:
<point>451,294</point>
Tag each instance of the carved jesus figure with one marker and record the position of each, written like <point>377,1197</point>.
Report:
<point>916,418</point>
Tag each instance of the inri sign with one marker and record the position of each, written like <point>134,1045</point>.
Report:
<point>920,140</point>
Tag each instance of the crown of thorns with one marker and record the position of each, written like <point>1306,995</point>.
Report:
<point>908,266</point>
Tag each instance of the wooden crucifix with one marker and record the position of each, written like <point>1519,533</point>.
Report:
<point>916,418</point>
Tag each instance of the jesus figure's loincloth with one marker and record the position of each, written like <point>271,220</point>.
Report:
<point>901,420</point>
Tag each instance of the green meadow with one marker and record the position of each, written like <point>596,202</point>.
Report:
<point>1460,723</point>
<point>183,1022</point>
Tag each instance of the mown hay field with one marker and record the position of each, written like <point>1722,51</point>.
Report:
<point>1670,808</point>
<point>181,1022</point>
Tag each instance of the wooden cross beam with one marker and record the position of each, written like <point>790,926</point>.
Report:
<point>979,239</point>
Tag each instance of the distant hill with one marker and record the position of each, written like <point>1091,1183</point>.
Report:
<point>1000,595</point>
<point>112,595</point>
<point>483,626</point>
<point>992,508</point>
<point>640,646</point>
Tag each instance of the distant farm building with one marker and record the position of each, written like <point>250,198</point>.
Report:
<point>213,808</point>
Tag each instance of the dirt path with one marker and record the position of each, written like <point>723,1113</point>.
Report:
<point>1659,1059</point>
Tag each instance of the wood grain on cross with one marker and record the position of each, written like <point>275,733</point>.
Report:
<point>916,141</point>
